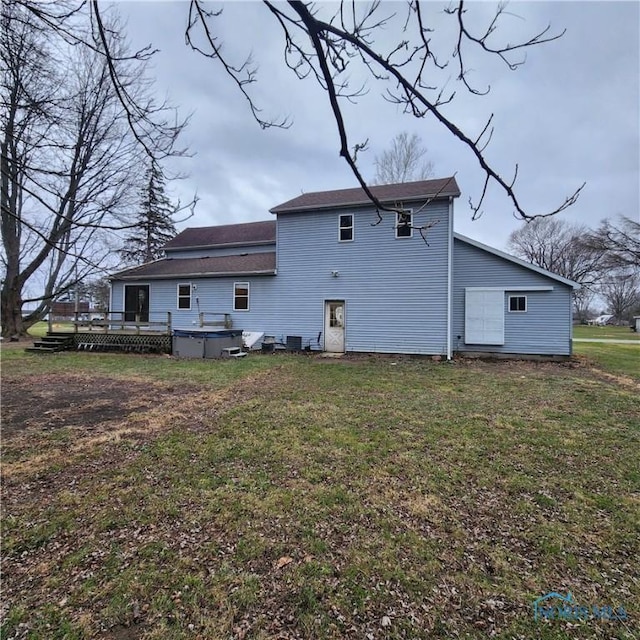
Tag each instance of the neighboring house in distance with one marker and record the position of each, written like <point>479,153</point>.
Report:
<point>67,310</point>
<point>601,321</point>
<point>324,271</point>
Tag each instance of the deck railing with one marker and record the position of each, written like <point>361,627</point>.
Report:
<point>208,319</point>
<point>114,321</point>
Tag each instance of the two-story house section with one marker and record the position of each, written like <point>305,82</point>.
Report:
<point>334,273</point>
<point>369,282</point>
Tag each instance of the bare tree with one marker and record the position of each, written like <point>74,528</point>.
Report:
<point>621,292</point>
<point>333,44</point>
<point>559,247</point>
<point>404,161</point>
<point>583,299</point>
<point>98,291</point>
<point>620,241</point>
<point>69,156</point>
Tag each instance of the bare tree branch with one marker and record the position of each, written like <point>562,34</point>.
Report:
<point>350,35</point>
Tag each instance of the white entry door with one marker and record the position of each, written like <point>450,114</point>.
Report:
<point>334,326</point>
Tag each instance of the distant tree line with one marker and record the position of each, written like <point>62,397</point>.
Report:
<point>604,261</point>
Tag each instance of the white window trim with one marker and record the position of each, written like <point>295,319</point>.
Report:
<point>408,212</point>
<point>526,305</point>
<point>178,296</point>
<point>248,286</point>
<point>352,227</point>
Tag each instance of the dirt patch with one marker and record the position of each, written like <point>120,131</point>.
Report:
<point>53,420</point>
<point>48,402</point>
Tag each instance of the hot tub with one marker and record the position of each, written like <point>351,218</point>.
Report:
<point>204,343</point>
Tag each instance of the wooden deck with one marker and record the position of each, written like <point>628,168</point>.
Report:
<point>113,332</point>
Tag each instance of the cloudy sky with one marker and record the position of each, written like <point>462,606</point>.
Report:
<point>570,115</point>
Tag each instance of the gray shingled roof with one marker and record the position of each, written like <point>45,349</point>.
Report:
<point>249,233</point>
<point>386,193</point>
<point>241,265</point>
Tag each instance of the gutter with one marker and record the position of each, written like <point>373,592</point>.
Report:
<point>449,276</point>
<point>177,276</point>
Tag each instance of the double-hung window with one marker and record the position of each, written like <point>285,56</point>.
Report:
<point>184,296</point>
<point>345,227</point>
<point>404,222</point>
<point>241,296</point>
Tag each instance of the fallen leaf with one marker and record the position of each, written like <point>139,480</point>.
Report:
<point>283,562</point>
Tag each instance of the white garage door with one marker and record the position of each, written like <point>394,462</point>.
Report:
<point>484,316</point>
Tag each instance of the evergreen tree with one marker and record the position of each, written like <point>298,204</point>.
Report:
<point>154,222</point>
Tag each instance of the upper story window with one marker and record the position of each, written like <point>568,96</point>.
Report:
<point>184,296</point>
<point>241,296</point>
<point>518,303</point>
<point>345,227</point>
<point>404,222</point>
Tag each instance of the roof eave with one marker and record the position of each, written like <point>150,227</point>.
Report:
<point>213,274</point>
<point>113,275</point>
<point>367,201</point>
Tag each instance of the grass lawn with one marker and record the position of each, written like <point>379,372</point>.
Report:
<point>302,497</point>
<point>608,332</point>
<point>616,359</point>
<point>40,329</point>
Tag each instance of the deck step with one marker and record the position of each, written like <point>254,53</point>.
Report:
<point>52,343</point>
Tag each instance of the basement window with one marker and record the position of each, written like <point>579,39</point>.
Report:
<point>241,296</point>
<point>404,223</point>
<point>517,304</point>
<point>345,227</point>
<point>184,296</point>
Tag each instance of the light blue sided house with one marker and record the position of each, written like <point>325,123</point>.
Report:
<point>332,276</point>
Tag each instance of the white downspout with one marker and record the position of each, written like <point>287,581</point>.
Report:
<point>449,276</point>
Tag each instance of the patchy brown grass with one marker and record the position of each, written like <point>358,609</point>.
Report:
<point>283,498</point>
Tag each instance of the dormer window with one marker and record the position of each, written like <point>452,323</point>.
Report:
<point>404,222</point>
<point>345,227</point>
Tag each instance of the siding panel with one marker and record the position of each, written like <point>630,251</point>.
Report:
<point>395,289</point>
<point>545,328</point>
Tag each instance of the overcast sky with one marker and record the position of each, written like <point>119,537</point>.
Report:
<point>570,115</point>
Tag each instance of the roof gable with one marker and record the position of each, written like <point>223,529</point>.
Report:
<point>249,233</point>
<point>386,193</point>
<point>522,263</point>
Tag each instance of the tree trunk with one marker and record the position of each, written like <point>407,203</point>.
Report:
<point>11,316</point>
